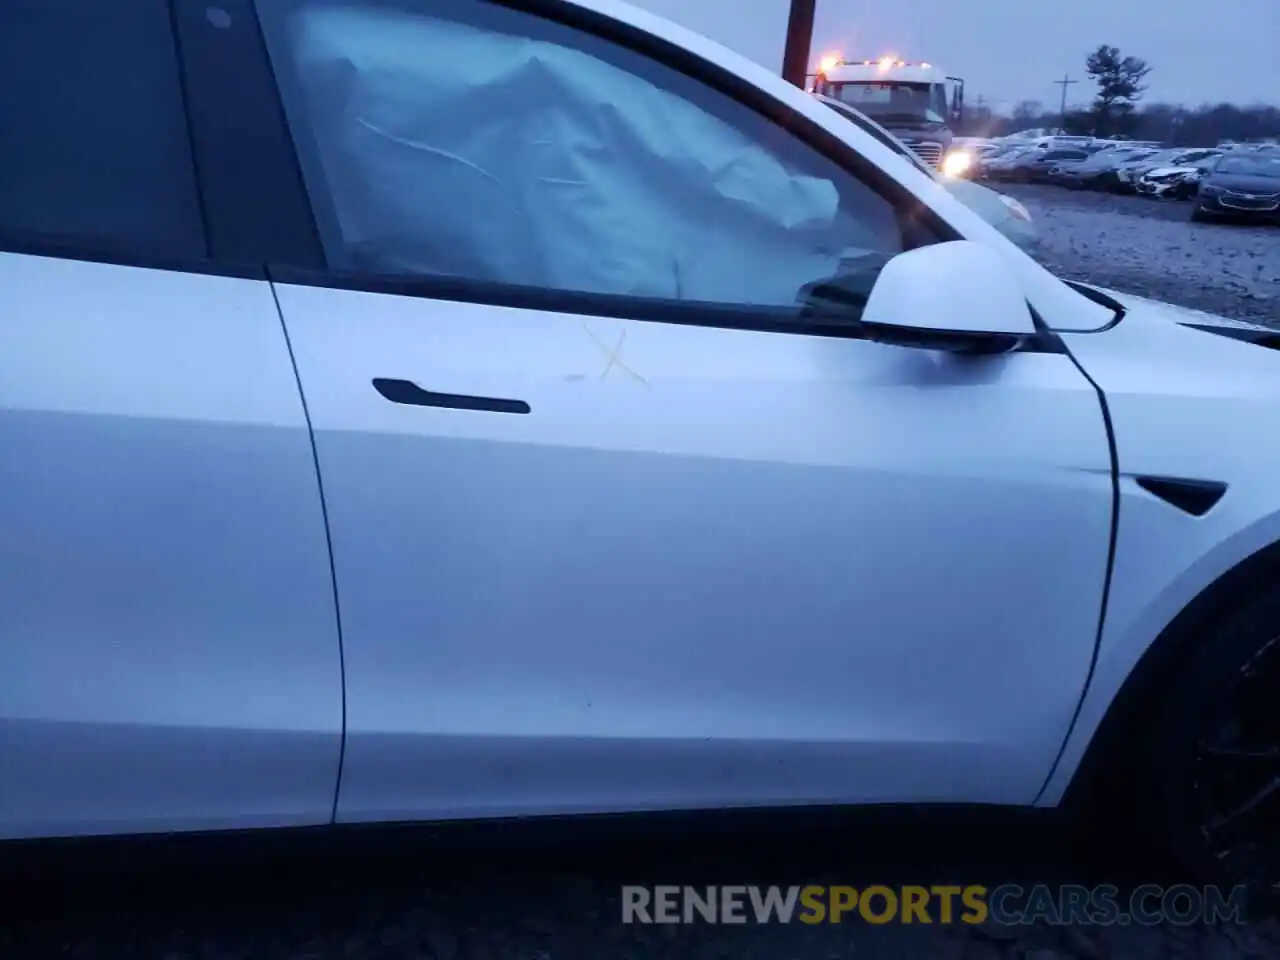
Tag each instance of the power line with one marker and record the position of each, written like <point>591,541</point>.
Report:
<point>1065,82</point>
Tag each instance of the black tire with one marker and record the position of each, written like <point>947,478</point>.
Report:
<point>1198,215</point>
<point>1211,748</point>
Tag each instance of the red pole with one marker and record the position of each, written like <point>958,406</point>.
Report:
<point>795,58</point>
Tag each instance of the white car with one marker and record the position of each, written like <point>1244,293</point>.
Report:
<point>1179,180</point>
<point>1169,181</point>
<point>554,413</point>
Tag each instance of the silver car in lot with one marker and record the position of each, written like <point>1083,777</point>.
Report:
<point>1003,212</point>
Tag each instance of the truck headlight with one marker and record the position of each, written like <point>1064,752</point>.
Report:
<point>956,163</point>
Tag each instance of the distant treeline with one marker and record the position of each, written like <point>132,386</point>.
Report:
<point>1206,125</point>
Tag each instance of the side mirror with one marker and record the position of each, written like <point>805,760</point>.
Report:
<point>958,296</point>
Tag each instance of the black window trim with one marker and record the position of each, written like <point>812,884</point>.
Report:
<point>274,138</point>
<point>114,251</point>
<point>725,316</point>
<point>251,185</point>
<point>746,318</point>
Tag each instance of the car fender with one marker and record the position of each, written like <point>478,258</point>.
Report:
<point>1188,404</point>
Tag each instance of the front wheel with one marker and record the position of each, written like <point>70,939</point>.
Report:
<point>1212,752</point>
<point>1199,215</point>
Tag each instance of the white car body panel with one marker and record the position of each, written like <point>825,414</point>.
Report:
<point>714,567</point>
<point>703,572</point>
<point>171,656</point>
<point>1183,403</point>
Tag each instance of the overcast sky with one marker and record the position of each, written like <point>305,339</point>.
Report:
<point>1012,50</point>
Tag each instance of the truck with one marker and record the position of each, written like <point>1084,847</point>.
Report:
<point>916,101</point>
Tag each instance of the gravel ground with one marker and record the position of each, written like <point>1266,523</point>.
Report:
<point>1150,248</point>
<point>544,893</point>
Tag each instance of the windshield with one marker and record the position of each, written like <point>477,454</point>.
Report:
<point>1251,166</point>
<point>913,102</point>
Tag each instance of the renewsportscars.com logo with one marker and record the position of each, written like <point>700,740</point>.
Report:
<point>1009,904</point>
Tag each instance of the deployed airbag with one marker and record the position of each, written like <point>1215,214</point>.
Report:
<point>455,149</point>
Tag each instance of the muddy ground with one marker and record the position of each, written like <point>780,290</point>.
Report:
<point>544,894</point>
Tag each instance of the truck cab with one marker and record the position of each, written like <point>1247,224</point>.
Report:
<point>917,102</point>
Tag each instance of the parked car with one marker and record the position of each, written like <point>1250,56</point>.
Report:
<point>1003,212</point>
<point>670,442</point>
<point>1093,172</point>
<point>1169,183</point>
<point>1059,173</point>
<point>1138,144</point>
<point>1034,166</point>
<point>1176,182</point>
<point>1241,186</point>
<point>997,158</point>
<point>1128,174</point>
<point>1123,175</point>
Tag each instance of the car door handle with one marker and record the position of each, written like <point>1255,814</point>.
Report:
<point>409,393</point>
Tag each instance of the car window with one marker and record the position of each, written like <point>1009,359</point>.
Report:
<point>468,140</point>
<point>1259,165</point>
<point>94,147</point>
<point>873,129</point>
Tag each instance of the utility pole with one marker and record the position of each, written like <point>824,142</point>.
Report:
<point>1065,82</point>
<point>795,59</point>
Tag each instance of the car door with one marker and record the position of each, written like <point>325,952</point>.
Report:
<point>168,641</point>
<point>621,518</point>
